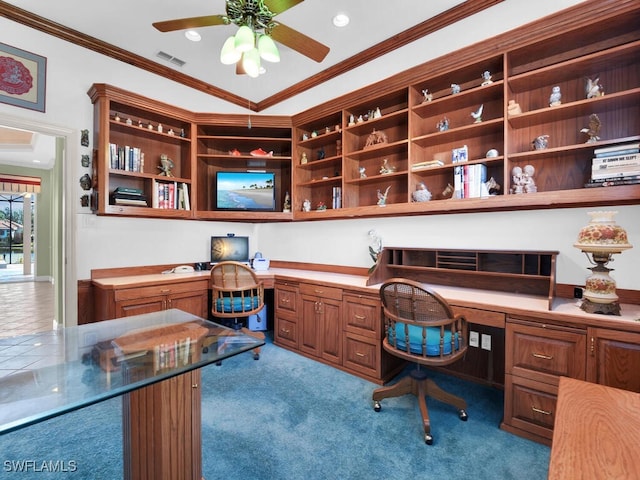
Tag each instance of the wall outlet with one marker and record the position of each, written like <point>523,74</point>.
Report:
<point>474,339</point>
<point>577,292</point>
<point>486,342</point>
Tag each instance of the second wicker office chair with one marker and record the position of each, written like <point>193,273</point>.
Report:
<point>420,327</point>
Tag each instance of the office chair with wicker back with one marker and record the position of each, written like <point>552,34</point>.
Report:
<point>236,292</point>
<point>421,328</point>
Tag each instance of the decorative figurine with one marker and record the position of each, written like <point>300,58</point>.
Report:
<point>287,203</point>
<point>593,129</point>
<point>85,161</point>
<point>477,115</point>
<point>321,154</point>
<point>593,88</point>
<point>382,197</point>
<point>160,128</point>
<point>166,164</point>
<point>306,205</point>
<point>492,153</point>
<point>321,206</point>
<point>128,121</point>
<point>305,136</point>
<point>517,177</point>
<point>554,98</point>
<point>541,142</point>
<point>377,113</point>
<point>421,194</point>
<point>85,182</point>
<point>529,184</point>
<point>182,134</point>
<point>314,134</point>
<point>513,108</point>
<point>259,152</point>
<point>443,125</point>
<point>428,96</point>
<point>235,152</point>
<point>448,191</point>
<point>352,121</point>
<point>492,186</point>
<point>303,158</point>
<point>486,78</point>
<point>376,138</point>
<point>140,124</point>
<point>84,201</point>
<point>385,168</point>
<point>117,117</point>
<point>361,170</point>
<point>360,119</point>
<point>150,127</point>
<point>171,132</point>
<point>455,88</point>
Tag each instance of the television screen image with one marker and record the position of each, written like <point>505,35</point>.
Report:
<point>229,248</point>
<point>245,191</point>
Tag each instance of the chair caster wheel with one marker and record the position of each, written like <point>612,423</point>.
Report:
<point>462,414</point>
<point>256,356</point>
<point>376,406</point>
<point>428,439</point>
<point>218,363</point>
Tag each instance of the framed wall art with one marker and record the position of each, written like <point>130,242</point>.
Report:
<point>22,78</point>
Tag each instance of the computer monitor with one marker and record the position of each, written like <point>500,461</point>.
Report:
<point>229,248</point>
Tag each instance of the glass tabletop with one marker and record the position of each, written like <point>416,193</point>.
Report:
<point>79,366</point>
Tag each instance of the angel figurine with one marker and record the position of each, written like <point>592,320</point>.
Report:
<point>382,197</point>
<point>593,129</point>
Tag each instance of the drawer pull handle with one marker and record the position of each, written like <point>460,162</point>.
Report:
<point>195,385</point>
<point>542,356</point>
<point>358,354</point>
<point>165,290</point>
<point>285,331</point>
<point>539,410</point>
<point>359,317</point>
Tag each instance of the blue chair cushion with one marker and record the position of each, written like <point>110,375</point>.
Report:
<point>415,339</point>
<point>237,304</point>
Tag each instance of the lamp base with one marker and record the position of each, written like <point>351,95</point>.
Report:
<point>601,308</point>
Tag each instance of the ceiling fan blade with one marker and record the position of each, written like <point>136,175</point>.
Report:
<point>299,42</point>
<point>193,22</point>
<point>279,6</point>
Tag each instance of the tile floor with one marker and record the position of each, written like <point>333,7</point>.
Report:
<point>26,310</point>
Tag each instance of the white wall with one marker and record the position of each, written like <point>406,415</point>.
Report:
<point>99,242</point>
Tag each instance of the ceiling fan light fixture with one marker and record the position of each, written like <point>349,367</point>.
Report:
<point>268,49</point>
<point>245,39</point>
<point>192,35</point>
<point>341,20</point>
<point>229,55</point>
<point>251,62</point>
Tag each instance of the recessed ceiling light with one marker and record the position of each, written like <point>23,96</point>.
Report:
<point>341,20</point>
<point>192,35</point>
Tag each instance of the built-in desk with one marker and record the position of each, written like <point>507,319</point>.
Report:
<point>152,360</point>
<point>597,433</point>
<point>336,318</point>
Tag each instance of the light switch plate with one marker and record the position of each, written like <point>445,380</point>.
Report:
<point>474,339</point>
<point>486,342</point>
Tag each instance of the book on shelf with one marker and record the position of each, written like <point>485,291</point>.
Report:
<point>336,197</point>
<point>617,150</point>
<point>426,165</point>
<point>460,154</point>
<point>622,171</point>
<point>612,182</point>
<point>605,162</point>
<point>124,157</point>
<point>130,201</point>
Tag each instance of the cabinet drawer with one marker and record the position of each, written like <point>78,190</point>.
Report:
<point>361,354</point>
<point>286,332</point>
<point>160,289</point>
<point>543,353</point>
<point>530,406</point>
<point>286,297</point>
<point>362,315</point>
<point>321,291</point>
<point>481,317</point>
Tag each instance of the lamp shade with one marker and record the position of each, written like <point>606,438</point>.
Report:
<point>267,48</point>
<point>602,234</point>
<point>229,55</point>
<point>251,63</point>
<point>244,39</point>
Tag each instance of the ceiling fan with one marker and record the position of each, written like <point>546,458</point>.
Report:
<point>258,15</point>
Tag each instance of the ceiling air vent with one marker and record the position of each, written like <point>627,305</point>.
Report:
<point>170,58</point>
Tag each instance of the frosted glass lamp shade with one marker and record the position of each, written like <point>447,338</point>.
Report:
<point>251,63</point>
<point>244,39</point>
<point>229,55</point>
<point>267,48</point>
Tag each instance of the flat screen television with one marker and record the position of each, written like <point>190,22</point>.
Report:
<point>249,191</point>
<point>229,248</point>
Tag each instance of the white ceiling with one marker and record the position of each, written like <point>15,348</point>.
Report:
<point>128,24</point>
<point>22,148</point>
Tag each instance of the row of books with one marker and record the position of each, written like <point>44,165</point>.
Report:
<point>469,181</point>
<point>134,197</point>
<point>336,197</point>
<point>615,165</point>
<point>170,195</point>
<point>124,157</point>
<point>171,355</point>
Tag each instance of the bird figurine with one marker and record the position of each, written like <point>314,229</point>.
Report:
<point>477,115</point>
<point>166,164</point>
<point>382,197</point>
<point>593,88</point>
<point>593,129</point>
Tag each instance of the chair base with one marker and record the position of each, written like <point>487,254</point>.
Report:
<point>418,384</point>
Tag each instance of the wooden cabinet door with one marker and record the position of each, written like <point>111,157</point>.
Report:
<point>310,321</point>
<point>613,358</point>
<point>138,306</point>
<point>194,302</point>
<point>331,330</point>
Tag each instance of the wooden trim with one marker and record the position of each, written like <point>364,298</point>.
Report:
<point>631,297</point>
<point>318,267</point>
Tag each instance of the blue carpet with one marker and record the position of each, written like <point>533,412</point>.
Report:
<point>288,417</point>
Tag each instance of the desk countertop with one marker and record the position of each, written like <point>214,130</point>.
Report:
<point>596,433</point>
<point>509,303</point>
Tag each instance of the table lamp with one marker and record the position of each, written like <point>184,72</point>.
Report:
<point>601,238</point>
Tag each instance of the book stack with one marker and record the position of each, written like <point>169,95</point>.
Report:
<point>129,196</point>
<point>170,195</point>
<point>615,165</point>
<point>336,197</point>
<point>468,180</point>
<point>124,157</point>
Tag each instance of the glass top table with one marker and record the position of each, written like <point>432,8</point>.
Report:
<point>83,365</point>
